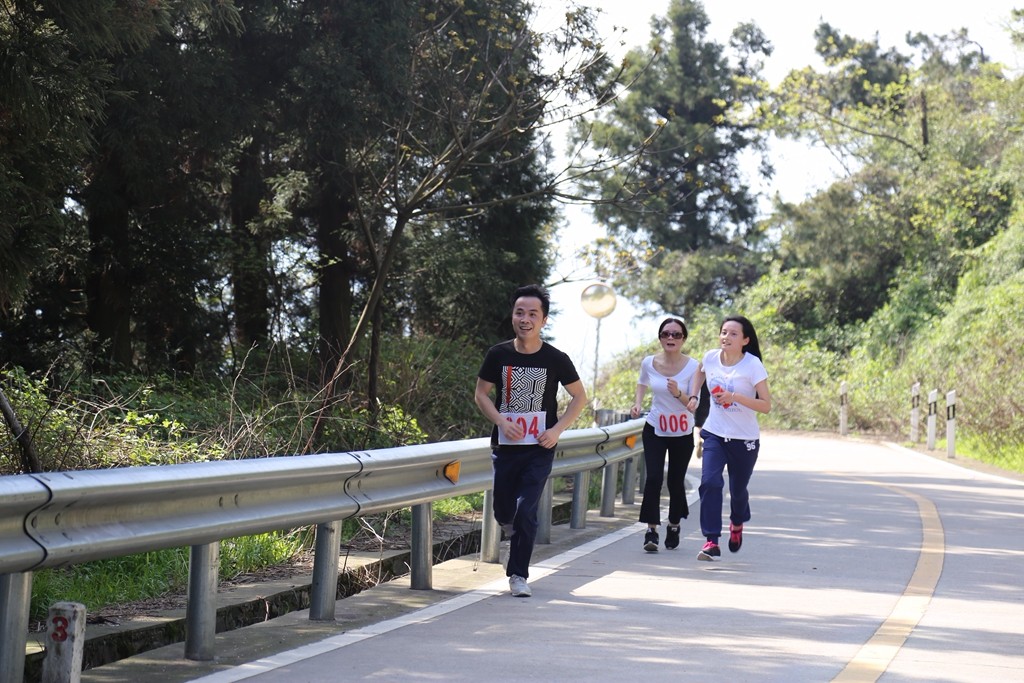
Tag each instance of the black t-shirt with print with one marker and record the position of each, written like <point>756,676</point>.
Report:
<point>526,382</point>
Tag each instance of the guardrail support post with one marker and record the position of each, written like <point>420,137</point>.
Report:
<point>609,484</point>
<point>580,496</point>
<point>490,533</point>
<point>915,410</point>
<point>951,423</point>
<point>933,408</point>
<point>15,597</point>
<point>547,497</point>
<point>324,590</point>
<point>629,481</point>
<point>201,610</point>
<point>422,553</point>
<point>843,400</point>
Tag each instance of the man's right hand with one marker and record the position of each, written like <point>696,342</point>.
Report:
<point>512,430</point>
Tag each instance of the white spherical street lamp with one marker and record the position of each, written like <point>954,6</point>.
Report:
<point>598,300</point>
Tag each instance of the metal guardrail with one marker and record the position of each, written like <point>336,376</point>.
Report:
<point>56,519</point>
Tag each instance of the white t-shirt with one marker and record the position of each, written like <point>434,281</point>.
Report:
<point>733,421</point>
<point>669,415</point>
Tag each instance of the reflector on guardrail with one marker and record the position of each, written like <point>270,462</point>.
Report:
<point>451,471</point>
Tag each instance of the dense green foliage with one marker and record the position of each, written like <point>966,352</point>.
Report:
<point>685,207</point>
<point>158,420</point>
<point>192,185</point>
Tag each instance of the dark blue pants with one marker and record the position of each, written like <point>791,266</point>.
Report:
<point>738,457</point>
<point>519,479</point>
<point>679,449</point>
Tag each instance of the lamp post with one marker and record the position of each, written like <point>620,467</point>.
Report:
<point>598,301</point>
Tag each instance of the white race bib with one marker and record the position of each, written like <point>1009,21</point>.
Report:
<point>674,424</point>
<point>533,424</point>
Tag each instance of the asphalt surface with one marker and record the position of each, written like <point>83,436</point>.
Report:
<point>863,561</point>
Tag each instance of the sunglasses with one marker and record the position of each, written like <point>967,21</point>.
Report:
<point>671,335</point>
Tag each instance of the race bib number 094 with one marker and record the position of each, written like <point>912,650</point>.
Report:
<point>533,424</point>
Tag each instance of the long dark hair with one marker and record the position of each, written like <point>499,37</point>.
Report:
<point>753,347</point>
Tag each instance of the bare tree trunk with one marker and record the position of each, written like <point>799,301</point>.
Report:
<point>250,278</point>
<point>373,368</point>
<point>336,274</point>
<point>29,458</point>
<point>924,120</point>
<point>108,286</point>
<point>369,309</point>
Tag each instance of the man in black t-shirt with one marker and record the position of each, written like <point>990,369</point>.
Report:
<point>524,373</point>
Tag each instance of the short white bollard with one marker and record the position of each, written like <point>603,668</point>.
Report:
<point>842,409</point>
<point>933,407</point>
<point>65,642</point>
<point>915,410</point>
<point>951,423</point>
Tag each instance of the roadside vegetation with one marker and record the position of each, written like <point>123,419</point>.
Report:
<point>965,344</point>
<point>158,421</point>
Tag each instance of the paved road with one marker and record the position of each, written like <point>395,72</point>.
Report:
<point>862,562</point>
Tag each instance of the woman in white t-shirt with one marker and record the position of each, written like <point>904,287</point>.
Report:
<point>738,384</point>
<point>669,429</point>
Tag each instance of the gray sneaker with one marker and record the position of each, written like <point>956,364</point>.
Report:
<point>518,586</point>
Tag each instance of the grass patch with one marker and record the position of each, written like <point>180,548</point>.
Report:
<point>458,506</point>
<point>1007,458</point>
<point>121,580</point>
<point>111,582</point>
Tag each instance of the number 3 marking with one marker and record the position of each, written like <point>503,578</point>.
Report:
<point>60,629</point>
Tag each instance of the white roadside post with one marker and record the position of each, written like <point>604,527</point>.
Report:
<point>951,423</point>
<point>65,642</point>
<point>933,400</point>
<point>842,408</point>
<point>915,410</point>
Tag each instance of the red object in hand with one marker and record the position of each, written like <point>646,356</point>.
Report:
<point>719,390</point>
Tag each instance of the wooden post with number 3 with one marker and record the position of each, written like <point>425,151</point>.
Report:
<point>65,641</point>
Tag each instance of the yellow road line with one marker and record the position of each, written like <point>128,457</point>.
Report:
<point>878,652</point>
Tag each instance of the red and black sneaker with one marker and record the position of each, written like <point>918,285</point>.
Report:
<point>709,552</point>
<point>735,537</point>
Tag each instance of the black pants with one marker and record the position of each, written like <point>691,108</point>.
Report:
<point>519,480</point>
<point>679,449</point>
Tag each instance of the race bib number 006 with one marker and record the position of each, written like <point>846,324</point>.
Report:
<point>533,425</point>
<point>673,424</point>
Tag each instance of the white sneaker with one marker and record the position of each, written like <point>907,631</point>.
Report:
<point>518,586</point>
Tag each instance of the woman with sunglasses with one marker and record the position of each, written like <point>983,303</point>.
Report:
<point>669,429</point>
